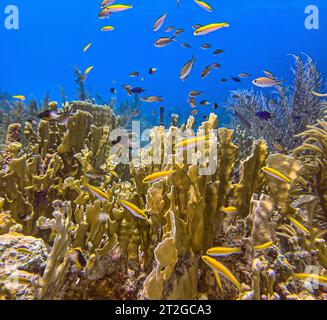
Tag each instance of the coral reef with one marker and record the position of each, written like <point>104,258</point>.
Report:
<point>70,237</point>
<point>288,110</point>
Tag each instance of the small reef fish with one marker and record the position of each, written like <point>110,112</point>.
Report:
<point>218,51</point>
<point>191,101</point>
<point>186,45</point>
<point>192,142</point>
<point>194,112</point>
<point>236,79</point>
<point>205,71</point>
<point>113,90</point>
<point>310,277</point>
<point>265,82</point>
<point>133,209</point>
<point>210,28</point>
<point>107,28</point>
<point>87,47</point>
<point>152,70</point>
<point>136,113</point>
<point>301,227</point>
<point>117,7</point>
<point>264,115</point>
<point>169,28</point>
<point>205,103</point>
<point>223,80</point>
<point>19,97</point>
<point>178,31</point>
<point>268,74</point>
<point>158,176</point>
<point>244,122</point>
<point>195,93</point>
<point>164,41</point>
<point>106,3</point>
<point>230,210</point>
<point>222,251</point>
<point>96,192</point>
<point>218,267</point>
<point>152,99</point>
<point>226,251</point>
<point>97,173</point>
<point>88,70</point>
<point>21,277</point>
<point>51,115</point>
<point>215,65</point>
<point>134,74</point>
<point>204,5</point>
<point>138,90</point>
<point>206,46</point>
<point>76,256</point>
<point>320,95</point>
<point>263,246</point>
<point>196,26</point>
<point>104,13</point>
<point>244,75</point>
<point>279,147</point>
<point>128,89</point>
<point>159,22</point>
<point>25,251</point>
<point>215,105</point>
<point>276,174</point>
<point>187,68</point>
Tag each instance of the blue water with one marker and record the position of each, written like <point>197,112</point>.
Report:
<point>39,57</point>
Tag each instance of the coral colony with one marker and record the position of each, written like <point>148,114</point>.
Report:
<point>212,213</point>
<point>112,199</point>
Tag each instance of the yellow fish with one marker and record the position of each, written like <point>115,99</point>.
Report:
<point>88,70</point>
<point>276,174</point>
<point>264,246</point>
<point>87,47</point>
<point>218,267</point>
<point>191,143</point>
<point>222,251</point>
<point>310,277</point>
<point>225,251</point>
<point>157,176</point>
<point>204,5</point>
<point>133,209</point>
<point>298,225</point>
<point>217,277</point>
<point>24,250</point>
<point>210,28</point>
<point>19,97</point>
<point>107,28</point>
<point>77,257</point>
<point>96,192</point>
<point>230,210</point>
<point>118,7</point>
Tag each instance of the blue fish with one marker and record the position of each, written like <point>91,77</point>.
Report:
<point>138,90</point>
<point>264,115</point>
